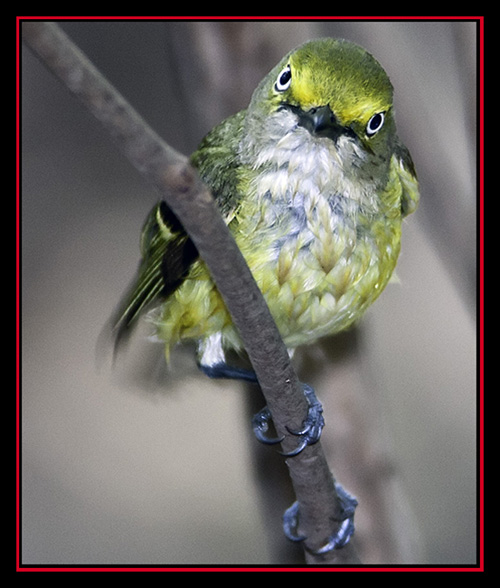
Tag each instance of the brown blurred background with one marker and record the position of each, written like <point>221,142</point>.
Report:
<point>140,465</point>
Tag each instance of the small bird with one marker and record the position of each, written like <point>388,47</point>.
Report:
<point>313,183</point>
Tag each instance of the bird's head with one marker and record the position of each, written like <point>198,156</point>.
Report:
<point>334,89</point>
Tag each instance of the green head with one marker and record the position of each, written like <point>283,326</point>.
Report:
<point>334,89</point>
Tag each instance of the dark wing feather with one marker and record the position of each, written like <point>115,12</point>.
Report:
<point>167,255</point>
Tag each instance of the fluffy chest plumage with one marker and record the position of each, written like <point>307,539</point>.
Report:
<point>314,238</point>
<point>301,197</point>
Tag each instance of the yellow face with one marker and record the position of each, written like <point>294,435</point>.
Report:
<point>337,74</point>
<point>349,101</point>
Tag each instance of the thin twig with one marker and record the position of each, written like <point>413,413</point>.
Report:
<point>180,186</point>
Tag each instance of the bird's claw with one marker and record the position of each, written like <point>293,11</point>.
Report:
<point>260,424</point>
<point>290,523</point>
<point>309,433</point>
<point>313,423</point>
<point>340,538</point>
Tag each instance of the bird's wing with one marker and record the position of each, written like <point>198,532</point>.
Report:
<point>409,181</point>
<point>167,251</point>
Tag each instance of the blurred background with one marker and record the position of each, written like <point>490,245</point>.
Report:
<point>137,464</point>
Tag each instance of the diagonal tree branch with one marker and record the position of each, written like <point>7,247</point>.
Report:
<point>180,186</point>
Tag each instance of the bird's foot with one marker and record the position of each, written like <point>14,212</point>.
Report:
<point>340,538</point>
<point>309,433</point>
<point>312,425</point>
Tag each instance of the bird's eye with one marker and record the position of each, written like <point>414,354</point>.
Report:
<point>375,124</point>
<point>284,79</point>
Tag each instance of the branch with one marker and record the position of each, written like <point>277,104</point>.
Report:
<point>191,201</point>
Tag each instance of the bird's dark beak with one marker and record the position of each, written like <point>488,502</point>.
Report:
<point>320,122</point>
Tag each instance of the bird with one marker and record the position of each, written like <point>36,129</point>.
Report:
<point>313,182</point>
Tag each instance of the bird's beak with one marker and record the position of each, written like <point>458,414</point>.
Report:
<point>320,122</point>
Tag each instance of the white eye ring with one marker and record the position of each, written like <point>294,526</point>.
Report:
<point>375,123</point>
<point>284,79</point>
